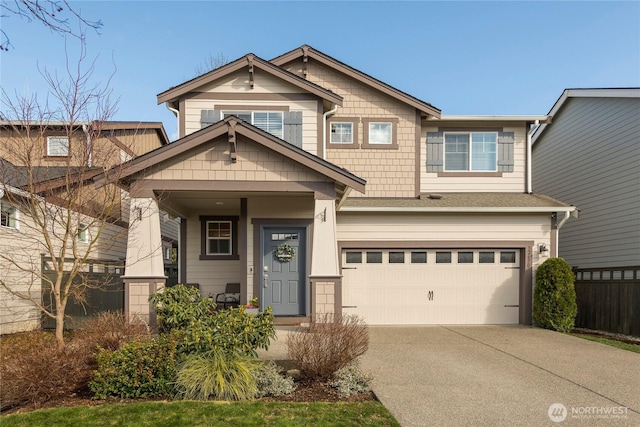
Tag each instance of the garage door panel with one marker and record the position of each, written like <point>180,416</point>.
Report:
<point>431,293</point>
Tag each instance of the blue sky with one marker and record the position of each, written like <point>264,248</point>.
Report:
<point>463,57</point>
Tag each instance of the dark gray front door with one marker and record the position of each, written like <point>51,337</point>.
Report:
<point>284,279</point>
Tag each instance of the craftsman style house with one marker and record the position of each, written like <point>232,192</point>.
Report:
<point>319,188</point>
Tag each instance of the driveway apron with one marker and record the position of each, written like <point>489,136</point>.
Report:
<point>497,375</point>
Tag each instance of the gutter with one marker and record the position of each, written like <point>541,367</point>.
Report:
<point>531,131</point>
<point>324,130</point>
<point>177,113</point>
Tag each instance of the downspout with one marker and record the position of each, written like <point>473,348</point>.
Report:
<point>85,129</point>
<point>529,160</point>
<point>567,215</point>
<point>177,113</point>
<point>324,130</point>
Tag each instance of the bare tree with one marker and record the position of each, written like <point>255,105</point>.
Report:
<point>49,154</point>
<point>54,14</point>
<point>211,62</point>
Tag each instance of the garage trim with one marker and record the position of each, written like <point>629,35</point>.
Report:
<point>526,259</point>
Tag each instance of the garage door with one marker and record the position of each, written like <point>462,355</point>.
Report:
<point>406,287</point>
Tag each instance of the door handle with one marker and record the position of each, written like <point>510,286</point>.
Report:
<point>266,280</point>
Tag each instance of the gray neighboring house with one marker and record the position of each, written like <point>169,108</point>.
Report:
<point>589,156</point>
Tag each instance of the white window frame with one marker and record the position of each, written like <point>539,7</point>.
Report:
<point>55,150</point>
<point>208,239</point>
<point>83,233</point>
<point>469,167</point>
<point>370,133</point>
<point>332,133</point>
<point>227,113</point>
<point>12,213</point>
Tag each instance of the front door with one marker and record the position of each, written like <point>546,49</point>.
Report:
<point>283,270</point>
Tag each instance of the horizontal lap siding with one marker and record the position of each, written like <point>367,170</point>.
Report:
<point>590,157</point>
<point>508,182</point>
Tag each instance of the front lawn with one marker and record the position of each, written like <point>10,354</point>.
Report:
<point>190,413</point>
<point>608,341</point>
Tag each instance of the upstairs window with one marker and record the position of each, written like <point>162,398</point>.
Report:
<point>341,133</point>
<point>268,121</point>
<point>470,151</point>
<point>57,146</point>
<point>8,216</point>
<point>83,233</point>
<point>380,133</point>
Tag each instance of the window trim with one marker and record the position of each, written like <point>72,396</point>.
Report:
<point>469,169</point>
<point>204,219</point>
<point>47,154</point>
<point>83,233</point>
<point>354,123</point>
<point>16,216</point>
<point>366,122</point>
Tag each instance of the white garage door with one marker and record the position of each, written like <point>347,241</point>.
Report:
<point>418,287</point>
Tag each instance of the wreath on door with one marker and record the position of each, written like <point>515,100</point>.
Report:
<point>285,253</point>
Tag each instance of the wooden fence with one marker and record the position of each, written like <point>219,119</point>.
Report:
<point>609,299</point>
<point>104,290</point>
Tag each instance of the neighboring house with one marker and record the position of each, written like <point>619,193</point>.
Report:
<point>589,155</point>
<point>38,173</point>
<point>322,189</point>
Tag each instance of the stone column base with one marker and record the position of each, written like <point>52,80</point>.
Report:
<point>137,291</point>
<point>326,294</point>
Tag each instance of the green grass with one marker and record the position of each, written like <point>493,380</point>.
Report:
<point>189,413</point>
<point>613,343</point>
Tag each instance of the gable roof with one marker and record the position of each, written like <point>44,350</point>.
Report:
<point>622,92</point>
<point>250,61</point>
<point>306,51</point>
<point>231,125</point>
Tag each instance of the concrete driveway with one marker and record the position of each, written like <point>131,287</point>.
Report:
<point>496,375</point>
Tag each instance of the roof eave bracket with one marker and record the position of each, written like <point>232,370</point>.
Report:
<point>305,61</point>
<point>233,146</point>
<point>250,61</point>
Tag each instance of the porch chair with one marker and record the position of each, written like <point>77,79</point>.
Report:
<point>230,297</point>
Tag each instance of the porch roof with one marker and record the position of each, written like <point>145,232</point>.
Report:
<point>460,202</point>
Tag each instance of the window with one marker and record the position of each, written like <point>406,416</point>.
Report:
<point>57,146</point>
<point>507,257</point>
<point>268,121</point>
<point>443,257</point>
<point>8,216</point>
<point>380,133</point>
<point>219,236</point>
<point>470,151</point>
<point>354,257</point>
<point>396,257</point>
<point>83,233</point>
<point>341,133</point>
<point>374,257</point>
<point>418,257</point>
<point>465,257</point>
<point>486,257</point>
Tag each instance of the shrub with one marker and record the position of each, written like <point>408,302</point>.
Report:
<point>329,344</point>
<point>138,369</point>
<point>217,375</point>
<point>554,298</point>
<point>34,371</point>
<point>110,330</point>
<point>177,306</point>
<point>271,382</point>
<point>199,328</point>
<point>351,380</point>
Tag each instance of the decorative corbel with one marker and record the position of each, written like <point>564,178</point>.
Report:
<point>305,60</point>
<point>250,60</point>
<point>233,147</point>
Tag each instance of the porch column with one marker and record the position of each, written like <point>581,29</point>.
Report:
<point>144,270</point>
<point>325,278</point>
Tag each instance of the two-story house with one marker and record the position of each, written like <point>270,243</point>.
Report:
<point>319,189</point>
<point>41,165</point>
